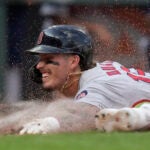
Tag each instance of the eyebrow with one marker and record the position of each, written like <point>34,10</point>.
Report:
<point>53,62</point>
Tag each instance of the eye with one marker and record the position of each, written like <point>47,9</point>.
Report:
<point>49,62</point>
<point>52,62</point>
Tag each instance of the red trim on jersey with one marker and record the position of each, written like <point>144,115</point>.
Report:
<point>141,72</point>
<point>144,79</point>
<point>140,76</point>
<point>140,101</point>
<point>137,78</point>
<point>125,69</point>
<point>115,72</point>
<point>104,64</point>
<point>108,68</point>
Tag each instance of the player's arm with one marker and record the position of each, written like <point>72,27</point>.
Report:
<point>79,116</point>
<point>68,117</point>
<point>124,119</point>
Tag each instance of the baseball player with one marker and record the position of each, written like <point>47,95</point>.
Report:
<point>107,89</point>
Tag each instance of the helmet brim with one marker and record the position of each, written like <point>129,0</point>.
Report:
<point>44,49</point>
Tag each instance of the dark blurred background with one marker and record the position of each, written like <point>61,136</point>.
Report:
<point>120,31</point>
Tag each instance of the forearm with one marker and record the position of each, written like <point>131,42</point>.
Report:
<point>71,116</point>
<point>77,117</point>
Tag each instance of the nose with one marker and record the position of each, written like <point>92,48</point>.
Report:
<point>40,65</point>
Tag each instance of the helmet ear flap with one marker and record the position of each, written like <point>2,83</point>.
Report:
<point>35,75</point>
<point>86,57</point>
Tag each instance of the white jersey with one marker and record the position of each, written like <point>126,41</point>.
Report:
<point>111,85</point>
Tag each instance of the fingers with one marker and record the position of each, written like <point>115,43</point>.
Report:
<point>125,119</point>
<point>104,120</point>
<point>31,128</point>
<point>41,126</point>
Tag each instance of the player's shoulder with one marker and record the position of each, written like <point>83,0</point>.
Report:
<point>108,64</point>
<point>101,72</point>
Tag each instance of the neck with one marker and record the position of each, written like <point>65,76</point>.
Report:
<point>71,85</point>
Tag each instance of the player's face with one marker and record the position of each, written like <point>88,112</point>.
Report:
<point>54,69</point>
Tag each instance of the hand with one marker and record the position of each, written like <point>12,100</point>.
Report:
<point>41,126</point>
<point>124,119</point>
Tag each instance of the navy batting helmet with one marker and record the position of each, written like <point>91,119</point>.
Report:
<point>66,39</point>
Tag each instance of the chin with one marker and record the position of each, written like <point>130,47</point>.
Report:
<point>48,87</point>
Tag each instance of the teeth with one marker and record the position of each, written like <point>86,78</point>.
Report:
<point>44,75</point>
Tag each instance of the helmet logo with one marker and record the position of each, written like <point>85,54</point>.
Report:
<point>40,38</point>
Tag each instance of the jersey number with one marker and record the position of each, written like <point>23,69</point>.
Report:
<point>138,77</point>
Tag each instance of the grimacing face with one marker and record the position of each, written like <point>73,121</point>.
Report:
<point>54,69</point>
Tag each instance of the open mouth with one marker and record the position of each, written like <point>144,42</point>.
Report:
<point>45,75</point>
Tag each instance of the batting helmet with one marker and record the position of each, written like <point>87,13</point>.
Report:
<point>68,39</point>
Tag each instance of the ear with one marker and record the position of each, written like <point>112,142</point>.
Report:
<point>75,59</point>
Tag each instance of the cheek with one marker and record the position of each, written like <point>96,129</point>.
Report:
<point>60,73</point>
<point>57,77</point>
<point>62,69</point>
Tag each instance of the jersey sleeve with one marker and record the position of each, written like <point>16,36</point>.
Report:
<point>110,85</point>
<point>100,95</point>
